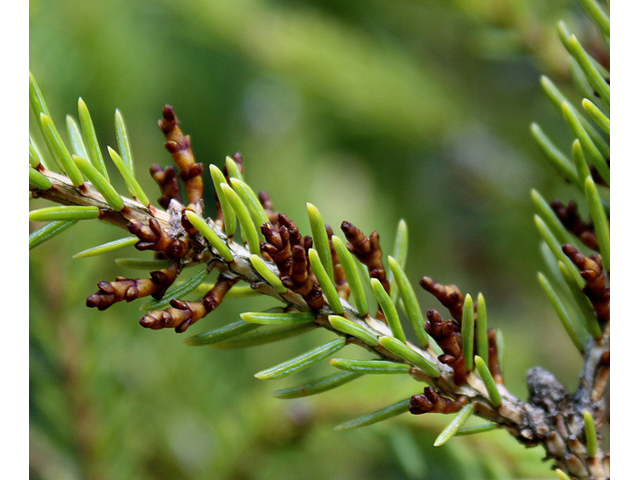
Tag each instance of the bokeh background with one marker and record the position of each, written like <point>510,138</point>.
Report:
<point>373,111</point>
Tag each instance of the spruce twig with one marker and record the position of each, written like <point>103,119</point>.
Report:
<point>322,287</point>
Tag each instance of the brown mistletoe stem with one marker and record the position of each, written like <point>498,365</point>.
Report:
<point>179,146</point>
<point>167,180</point>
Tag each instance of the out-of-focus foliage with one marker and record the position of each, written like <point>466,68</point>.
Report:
<point>372,111</point>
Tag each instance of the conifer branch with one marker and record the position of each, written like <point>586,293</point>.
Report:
<point>287,250</point>
<point>318,282</point>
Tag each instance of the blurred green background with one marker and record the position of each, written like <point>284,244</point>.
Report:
<point>373,111</point>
